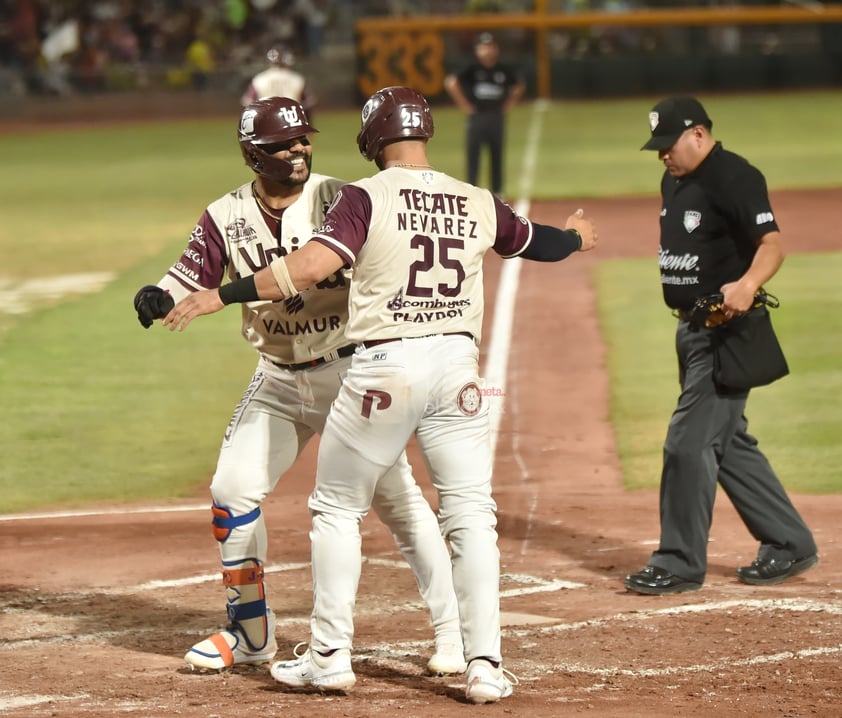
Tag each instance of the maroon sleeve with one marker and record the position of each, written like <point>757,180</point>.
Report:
<point>203,263</point>
<point>514,233</point>
<point>346,223</point>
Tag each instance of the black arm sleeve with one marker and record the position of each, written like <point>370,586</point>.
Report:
<point>239,291</point>
<point>551,244</point>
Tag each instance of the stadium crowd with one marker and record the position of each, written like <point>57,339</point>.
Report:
<point>63,47</point>
<point>66,46</point>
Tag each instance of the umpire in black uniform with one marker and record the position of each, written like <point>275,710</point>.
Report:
<point>485,90</point>
<point>718,234</point>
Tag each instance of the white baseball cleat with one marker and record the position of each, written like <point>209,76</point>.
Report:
<point>327,673</point>
<point>447,660</point>
<point>230,648</point>
<point>487,684</point>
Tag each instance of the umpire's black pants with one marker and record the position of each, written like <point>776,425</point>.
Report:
<point>485,129</point>
<point>707,442</point>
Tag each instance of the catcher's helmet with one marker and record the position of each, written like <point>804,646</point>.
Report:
<point>267,122</point>
<point>393,114</point>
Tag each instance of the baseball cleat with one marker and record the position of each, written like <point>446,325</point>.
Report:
<point>230,648</point>
<point>447,660</point>
<point>487,684</point>
<point>327,673</point>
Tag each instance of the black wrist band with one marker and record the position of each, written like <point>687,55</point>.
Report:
<point>240,291</point>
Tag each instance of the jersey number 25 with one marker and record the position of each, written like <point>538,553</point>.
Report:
<point>436,257</point>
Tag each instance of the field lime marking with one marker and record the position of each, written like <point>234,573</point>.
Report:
<point>8,703</point>
<point>20,297</point>
<point>501,328</point>
<point>121,511</point>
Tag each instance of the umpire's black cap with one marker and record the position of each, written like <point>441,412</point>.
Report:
<point>485,38</point>
<point>671,117</point>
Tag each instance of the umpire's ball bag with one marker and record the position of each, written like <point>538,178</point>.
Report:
<point>747,352</point>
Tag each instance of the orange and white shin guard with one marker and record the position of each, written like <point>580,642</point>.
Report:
<point>249,637</point>
<point>247,610</point>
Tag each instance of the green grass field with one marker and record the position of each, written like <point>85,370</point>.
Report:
<point>796,419</point>
<point>95,408</point>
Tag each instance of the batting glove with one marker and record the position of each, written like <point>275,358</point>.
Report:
<point>152,303</point>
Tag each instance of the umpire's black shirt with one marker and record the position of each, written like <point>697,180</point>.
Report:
<point>711,221</point>
<point>487,88</point>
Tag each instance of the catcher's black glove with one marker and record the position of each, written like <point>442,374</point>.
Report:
<point>152,303</point>
<point>709,310</point>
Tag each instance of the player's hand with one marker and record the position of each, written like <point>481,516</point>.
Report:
<point>585,227</point>
<point>205,301</point>
<point>152,303</point>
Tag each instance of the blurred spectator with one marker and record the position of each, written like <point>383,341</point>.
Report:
<point>479,6</point>
<point>199,61</point>
<point>91,61</point>
<point>616,39</point>
<point>311,17</point>
<point>25,42</point>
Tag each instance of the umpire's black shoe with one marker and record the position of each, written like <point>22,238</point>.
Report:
<point>767,571</point>
<point>655,581</point>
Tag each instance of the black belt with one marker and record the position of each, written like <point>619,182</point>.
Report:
<point>333,356</point>
<point>377,342</point>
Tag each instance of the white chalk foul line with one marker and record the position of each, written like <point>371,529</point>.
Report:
<point>119,511</point>
<point>9,702</point>
<point>725,663</point>
<point>496,367</point>
<point>533,584</point>
<point>772,604</point>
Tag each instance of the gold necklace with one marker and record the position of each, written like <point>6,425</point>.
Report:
<point>410,164</point>
<point>262,204</point>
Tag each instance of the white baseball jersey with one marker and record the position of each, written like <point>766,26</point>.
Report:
<point>416,241</point>
<point>277,82</point>
<point>281,409</point>
<point>234,236</point>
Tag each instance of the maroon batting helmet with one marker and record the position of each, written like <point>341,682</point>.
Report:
<point>393,114</point>
<point>271,121</point>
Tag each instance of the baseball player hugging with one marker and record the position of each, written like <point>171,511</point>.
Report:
<point>303,357</point>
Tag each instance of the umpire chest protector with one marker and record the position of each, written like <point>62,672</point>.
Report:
<point>711,221</point>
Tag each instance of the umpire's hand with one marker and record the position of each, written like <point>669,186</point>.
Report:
<point>585,227</point>
<point>152,303</point>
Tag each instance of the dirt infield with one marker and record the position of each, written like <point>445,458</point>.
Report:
<point>97,610</point>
